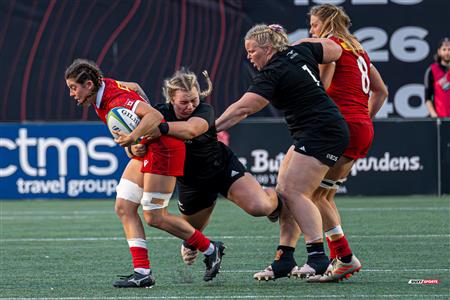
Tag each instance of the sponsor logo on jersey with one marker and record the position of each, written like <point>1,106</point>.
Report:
<point>332,157</point>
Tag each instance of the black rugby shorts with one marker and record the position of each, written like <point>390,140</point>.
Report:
<point>326,143</point>
<point>202,194</point>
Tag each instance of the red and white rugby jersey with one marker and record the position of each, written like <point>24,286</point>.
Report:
<point>350,85</point>
<point>113,94</point>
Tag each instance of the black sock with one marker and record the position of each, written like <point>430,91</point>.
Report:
<point>287,250</point>
<point>284,261</point>
<point>186,245</point>
<point>346,259</point>
<point>316,257</point>
<point>315,249</point>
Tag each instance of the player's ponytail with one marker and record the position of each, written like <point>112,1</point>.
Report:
<point>185,80</point>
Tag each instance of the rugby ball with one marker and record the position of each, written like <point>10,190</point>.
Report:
<point>122,119</point>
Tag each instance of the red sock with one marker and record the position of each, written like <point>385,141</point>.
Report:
<point>330,247</point>
<point>199,241</point>
<point>139,253</point>
<point>341,247</point>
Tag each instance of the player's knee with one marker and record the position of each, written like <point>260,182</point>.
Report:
<point>260,209</point>
<point>282,191</point>
<point>154,206</point>
<point>128,196</point>
<point>154,219</point>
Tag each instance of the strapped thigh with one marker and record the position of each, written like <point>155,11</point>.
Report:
<point>128,190</point>
<point>332,184</point>
<point>152,201</point>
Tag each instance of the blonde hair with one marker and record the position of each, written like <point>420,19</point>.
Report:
<point>184,80</point>
<point>265,35</point>
<point>336,23</point>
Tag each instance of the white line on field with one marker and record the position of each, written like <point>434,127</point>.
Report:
<point>278,296</point>
<point>362,270</point>
<point>47,217</point>
<point>225,237</point>
<point>111,211</point>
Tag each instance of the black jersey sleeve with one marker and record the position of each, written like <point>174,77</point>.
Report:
<point>206,112</point>
<point>264,84</point>
<point>315,49</point>
<point>163,108</point>
<point>429,84</point>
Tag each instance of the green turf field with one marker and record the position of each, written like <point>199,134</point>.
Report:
<point>75,249</point>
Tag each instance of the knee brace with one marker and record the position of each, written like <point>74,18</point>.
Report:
<point>129,190</point>
<point>152,201</point>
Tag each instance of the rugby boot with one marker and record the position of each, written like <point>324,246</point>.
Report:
<point>316,265</point>
<point>135,280</point>
<point>338,271</point>
<point>282,266</point>
<point>213,261</point>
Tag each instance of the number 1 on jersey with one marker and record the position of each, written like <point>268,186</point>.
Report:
<point>305,67</point>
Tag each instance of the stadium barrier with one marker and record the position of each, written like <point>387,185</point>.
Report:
<point>81,160</point>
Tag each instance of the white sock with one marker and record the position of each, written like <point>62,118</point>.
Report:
<point>210,249</point>
<point>142,271</point>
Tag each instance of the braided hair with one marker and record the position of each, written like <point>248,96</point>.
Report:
<point>82,70</point>
<point>274,35</point>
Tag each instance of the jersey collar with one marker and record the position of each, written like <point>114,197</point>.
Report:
<point>100,92</point>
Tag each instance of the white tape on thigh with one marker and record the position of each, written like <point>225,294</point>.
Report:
<point>129,190</point>
<point>148,203</point>
<point>330,184</point>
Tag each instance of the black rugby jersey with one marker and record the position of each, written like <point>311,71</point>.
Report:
<point>291,82</point>
<point>205,155</point>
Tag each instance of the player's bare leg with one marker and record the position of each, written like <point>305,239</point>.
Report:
<point>157,193</point>
<point>248,194</point>
<point>344,264</point>
<point>129,193</point>
<point>284,262</point>
<point>199,221</point>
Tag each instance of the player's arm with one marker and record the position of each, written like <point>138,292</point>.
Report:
<point>249,104</point>
<point>429,91</point>
<point>150,119</point>
<point>134,86</point>
<point>327,73</point>
<point>378,90</point>
<point>186,130</point>
<point>331,50</point>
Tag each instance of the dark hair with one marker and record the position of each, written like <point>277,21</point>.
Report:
<point>82,70</point>
<point>442,41</point>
